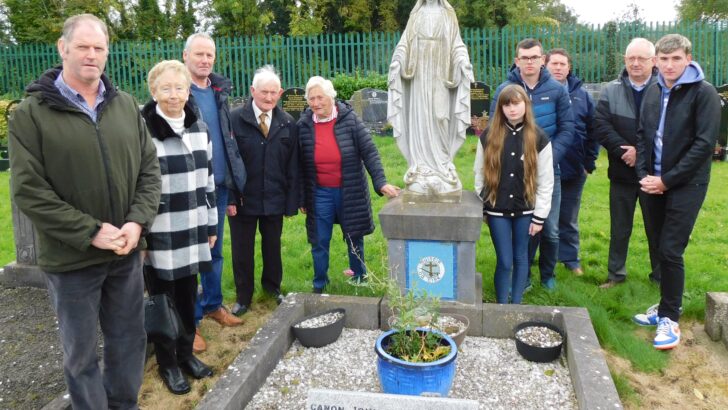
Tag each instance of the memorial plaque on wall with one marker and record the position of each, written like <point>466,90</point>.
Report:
<point>723,133</point>
<point>479,103</point>
<point>293,101</point>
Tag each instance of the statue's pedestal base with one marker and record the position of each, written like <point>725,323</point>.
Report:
<point>431,246</point>
<point>449,198</point>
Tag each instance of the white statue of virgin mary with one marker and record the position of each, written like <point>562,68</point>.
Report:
<point>429,98</point>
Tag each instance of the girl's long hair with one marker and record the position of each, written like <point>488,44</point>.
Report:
<point>497,131</point>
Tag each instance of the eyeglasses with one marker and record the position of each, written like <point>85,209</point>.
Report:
<point>529,59</point>
<point>169,90</point>
<point>640,60</point>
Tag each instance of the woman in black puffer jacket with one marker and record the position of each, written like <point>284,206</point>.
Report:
<point>335,149</point>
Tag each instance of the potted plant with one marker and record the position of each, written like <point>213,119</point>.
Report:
<point>413,357</point>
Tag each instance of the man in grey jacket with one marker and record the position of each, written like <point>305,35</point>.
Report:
<point>615,126</point>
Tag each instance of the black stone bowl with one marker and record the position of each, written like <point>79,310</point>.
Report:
<point>319,336</point>
<point>534,353</point>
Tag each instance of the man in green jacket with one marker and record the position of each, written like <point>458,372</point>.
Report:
<point>85,171</point>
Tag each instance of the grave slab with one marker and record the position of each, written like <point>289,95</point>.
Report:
<point>322,399</point>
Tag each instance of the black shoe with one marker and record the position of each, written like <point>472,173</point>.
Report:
<point>279,298</point>
<point>174,380</point>
<point>238,309</point>
<point>318,291</point>
<point>195,368</point>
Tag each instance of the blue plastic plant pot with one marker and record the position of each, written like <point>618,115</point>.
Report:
<point>401,377</point>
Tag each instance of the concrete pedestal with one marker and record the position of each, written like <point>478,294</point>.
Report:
<point>431,246</point>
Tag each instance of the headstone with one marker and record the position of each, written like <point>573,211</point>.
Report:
<point>723,131</point>
<point>371,107</point>
<point>479,103</point>
<point>293,101</point>
<point>23,271</point>
<point>320,399</point>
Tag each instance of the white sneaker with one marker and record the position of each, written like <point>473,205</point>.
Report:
<point>668,334</point>
<point>649,318</point>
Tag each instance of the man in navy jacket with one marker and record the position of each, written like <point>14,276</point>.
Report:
<point>209,92</point>
<point>577,162</point>
<point>552,109</point>
<point>267,138</point>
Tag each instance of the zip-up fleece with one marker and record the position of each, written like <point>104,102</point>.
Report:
<point>70,174</point>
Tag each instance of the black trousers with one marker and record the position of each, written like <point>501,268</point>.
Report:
<point>622,203</point>
<point>242,238</point>
<point>669,222</point>
<point>183,292</point>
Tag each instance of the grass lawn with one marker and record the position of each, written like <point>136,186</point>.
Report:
<point>706,259</point>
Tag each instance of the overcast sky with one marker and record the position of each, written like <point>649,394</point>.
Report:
<point>601,11</point>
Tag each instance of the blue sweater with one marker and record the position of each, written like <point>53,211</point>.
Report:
<point>551,107</point>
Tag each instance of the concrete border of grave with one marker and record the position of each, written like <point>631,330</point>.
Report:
<point>590,375</point>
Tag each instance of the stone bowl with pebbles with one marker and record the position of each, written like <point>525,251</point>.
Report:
<point>320,329</point>
<point>539,341</point>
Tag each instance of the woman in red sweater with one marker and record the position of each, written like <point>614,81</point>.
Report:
<point>336,148</point>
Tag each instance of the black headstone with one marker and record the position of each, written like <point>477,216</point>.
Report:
<point>723,133</point>
<point>371,106</point>
<point>479,103</point>
<point>293,101</point>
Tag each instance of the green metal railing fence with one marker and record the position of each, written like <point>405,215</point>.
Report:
<point>596,52</point>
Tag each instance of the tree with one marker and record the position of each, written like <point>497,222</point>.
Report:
<point>234,18</point>
<point>150,22</point>
<point>281,16</point>
<point>703,10</point>
<point>304,20</point>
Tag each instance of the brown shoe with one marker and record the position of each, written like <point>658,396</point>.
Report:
<point>223,317</point>
<point>610,284</point>
<point>199,345</point>
<point>577,271</point>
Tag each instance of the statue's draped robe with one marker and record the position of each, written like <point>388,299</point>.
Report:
<point>429,96</point>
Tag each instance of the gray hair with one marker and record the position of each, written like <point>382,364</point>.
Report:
<point>71,23</point>
<point>326,86</point>
<point>265,75</point>
<point>673,42</point>
<point>195,36</point>
<point>639,41</point>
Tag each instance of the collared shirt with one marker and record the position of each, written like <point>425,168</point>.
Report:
<point>334,114</point>
<point>639,87</point>
<point>77,99</point>
<point>258,111</point>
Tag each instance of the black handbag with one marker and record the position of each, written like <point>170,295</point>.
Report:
<point>161,319</point>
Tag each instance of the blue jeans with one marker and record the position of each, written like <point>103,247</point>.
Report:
<point>510,240</point>
<point>569,222</point>
<point>110,294</point>
<point>211,298</point>
<point>327,211</point>
<point>548,239</point>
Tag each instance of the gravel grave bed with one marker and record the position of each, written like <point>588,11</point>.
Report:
<point>488,370</point>
<point>31,360</point>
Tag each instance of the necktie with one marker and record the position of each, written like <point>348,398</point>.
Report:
<point>263,126</point>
